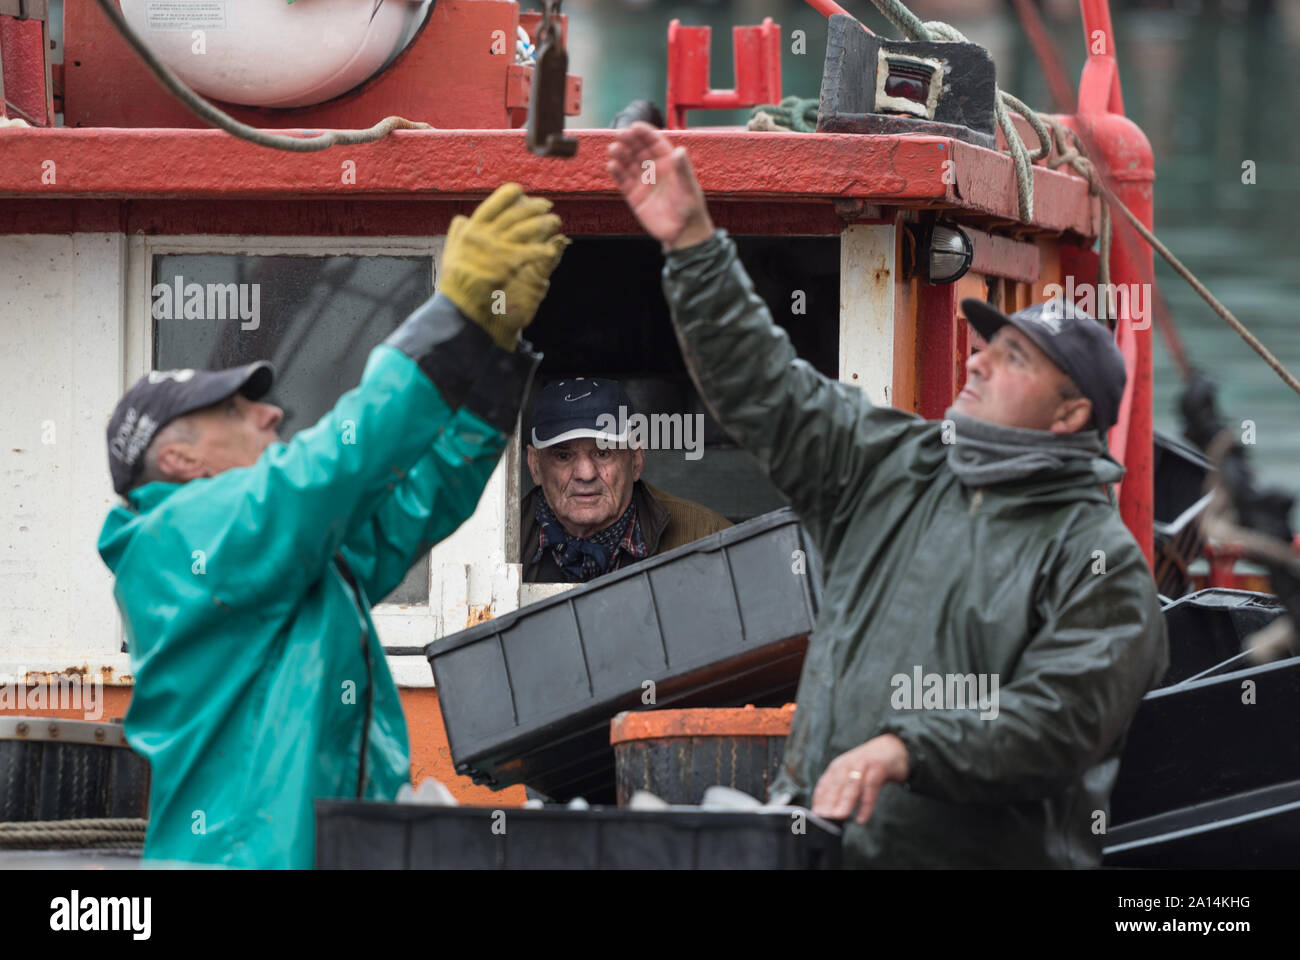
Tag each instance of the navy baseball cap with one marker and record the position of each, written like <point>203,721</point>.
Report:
<point>1080,346</point>
<point>159,397</point>
<point>580,407</point>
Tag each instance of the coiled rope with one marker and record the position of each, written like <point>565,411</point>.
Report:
<point>98,834</point>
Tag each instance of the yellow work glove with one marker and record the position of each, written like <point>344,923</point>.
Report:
<point>497,263</point>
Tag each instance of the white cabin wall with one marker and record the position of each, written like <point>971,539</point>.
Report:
<point>867,271</point>
<point>61,306</point>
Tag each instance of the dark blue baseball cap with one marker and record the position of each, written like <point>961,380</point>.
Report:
<point>580,407</point>
<point>159,397</point>
<point>1081,347</point>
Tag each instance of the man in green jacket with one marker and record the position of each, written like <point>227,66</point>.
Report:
<point>989,625</point>
<point>245,568</point>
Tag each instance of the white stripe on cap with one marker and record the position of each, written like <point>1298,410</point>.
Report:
<point>540,444</point>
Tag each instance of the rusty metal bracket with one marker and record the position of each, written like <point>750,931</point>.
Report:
<point>546,103</point>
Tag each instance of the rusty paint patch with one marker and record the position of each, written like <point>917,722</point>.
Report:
<point>54,676</point>
<point>82,673</point>
<point>478,613</point>
<point>749,721</point>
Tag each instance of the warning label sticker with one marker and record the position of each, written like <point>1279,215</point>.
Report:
<point>186,14</point>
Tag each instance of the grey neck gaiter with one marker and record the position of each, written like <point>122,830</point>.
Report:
<point>986,453</point>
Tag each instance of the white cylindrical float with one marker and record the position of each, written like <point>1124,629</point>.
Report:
<point>271,53</point>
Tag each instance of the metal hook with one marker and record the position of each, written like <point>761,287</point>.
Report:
<point>546,101</point>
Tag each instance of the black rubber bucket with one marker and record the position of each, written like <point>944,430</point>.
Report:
<point>678,754</point>
<point>69,770</point>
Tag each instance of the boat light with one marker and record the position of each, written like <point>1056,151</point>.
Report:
<point>909,80</point>
<point>907,85</point>
<point>951,252</point>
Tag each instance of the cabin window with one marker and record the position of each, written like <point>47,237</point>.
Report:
<point>605,315</point>
<point>315,317</point>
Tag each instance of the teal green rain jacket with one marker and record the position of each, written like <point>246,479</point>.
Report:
<point>1037,583</point>
<point>260,682</point>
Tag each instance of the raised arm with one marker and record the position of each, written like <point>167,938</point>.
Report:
<point>443,488</point>
<point>815,437</point>
<point>268,530</point>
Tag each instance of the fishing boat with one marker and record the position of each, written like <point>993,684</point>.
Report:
<point>134,236</point>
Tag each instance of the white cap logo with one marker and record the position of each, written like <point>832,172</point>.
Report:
<point>180,376</point>
<point>571,399</point>
<point>1046,317</point>
<point>133,435</point>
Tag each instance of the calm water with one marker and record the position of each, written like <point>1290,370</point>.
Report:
<point>1211,90</point>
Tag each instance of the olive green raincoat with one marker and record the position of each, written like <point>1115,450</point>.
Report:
<point>1037,583</point>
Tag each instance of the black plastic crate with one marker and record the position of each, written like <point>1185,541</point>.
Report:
<point>1209,628</point>
<point>356,835</point>
<point>1258,828</point>
<point>1198,741</point>
<point>527,697</point>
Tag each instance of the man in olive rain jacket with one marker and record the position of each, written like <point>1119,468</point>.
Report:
<point>989,625</point>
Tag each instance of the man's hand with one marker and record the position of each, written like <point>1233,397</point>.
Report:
<point>659,185</point>
<point>497,263</point>
<point>853,779</point>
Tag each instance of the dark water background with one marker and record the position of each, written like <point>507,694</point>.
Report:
<point>1211,84</point>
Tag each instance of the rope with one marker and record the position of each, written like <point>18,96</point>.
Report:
<point>207,112</point>
<point>792,113</point>
<point>99,834</point>
<point>1070,150</point>
<point>1075,157</point>
<point>1224,313</point>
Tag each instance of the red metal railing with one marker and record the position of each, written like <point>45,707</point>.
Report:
<point>758,70</point>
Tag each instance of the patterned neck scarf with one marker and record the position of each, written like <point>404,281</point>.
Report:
<point>584,558</point>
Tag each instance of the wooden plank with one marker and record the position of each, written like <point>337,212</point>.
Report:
<point>1003,256</point>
